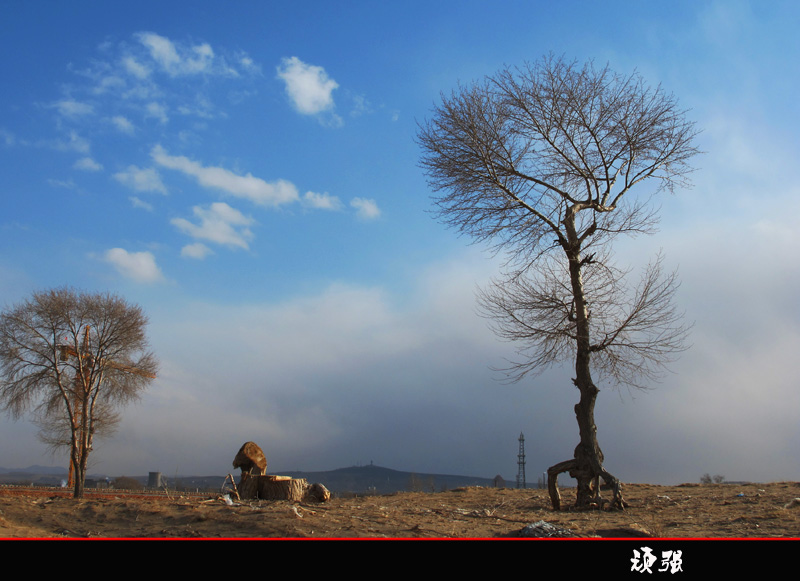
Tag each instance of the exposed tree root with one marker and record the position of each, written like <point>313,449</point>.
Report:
<point>588,489</point>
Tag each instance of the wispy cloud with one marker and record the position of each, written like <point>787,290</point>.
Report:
<point>179,59</point>
<point>135,68</point>
<point>139,203</point>
<point>247,63</point>
<point>74,142</point>
<point>198,251</point>
<point>323,201</point>
<point>73,109</point>
<point>156,110</point>
<point>133,81</point>
<point>141,179</point>
<point>218,223</point>
<point>361,106</point>
<point>123,124</point>
<point>164,52</point>
<point>246,186</point>
<point>138,266</point>
<point>309,88</point>
<point>366,209</point>
<point>66,184</point>
<point>7,137</point>
<point>87,164</point>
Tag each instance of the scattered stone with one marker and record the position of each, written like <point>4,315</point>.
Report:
<point>318,493</point>
<point>543,529</point>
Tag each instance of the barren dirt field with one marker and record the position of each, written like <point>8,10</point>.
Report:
<point>690,510</point>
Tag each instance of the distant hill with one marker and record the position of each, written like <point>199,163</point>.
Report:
<point>35,469</point>
<point>38,475</point>
<point>379,480</point>
<point>355,479</point>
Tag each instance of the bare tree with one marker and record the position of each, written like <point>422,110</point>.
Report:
<point>73,359</point>
<point>541,162</point>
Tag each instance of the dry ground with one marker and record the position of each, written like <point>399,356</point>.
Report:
<point>715,510</point>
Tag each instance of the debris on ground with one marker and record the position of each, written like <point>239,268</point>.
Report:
<point>544,529</point>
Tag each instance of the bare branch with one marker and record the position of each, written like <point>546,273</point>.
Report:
<point>73,359</point>
<point>509,155</point>
<point>541,161</point>
<point>640,330</point>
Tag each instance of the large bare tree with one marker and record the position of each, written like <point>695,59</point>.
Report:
<point>73,359</point>
<point>550,163</point>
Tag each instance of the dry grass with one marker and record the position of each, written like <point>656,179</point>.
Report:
<point>716,510</point>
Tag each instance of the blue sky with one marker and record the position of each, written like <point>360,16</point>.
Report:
<point>248,174</point>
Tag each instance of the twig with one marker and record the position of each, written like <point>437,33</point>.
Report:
<point>233,483</point>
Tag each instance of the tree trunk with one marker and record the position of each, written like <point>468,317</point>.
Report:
<point>78,474</point>
<point>587,464</point>
<point>79,456</point>
<point>84,440</point>
<point>79,482</point>
<point>254,486</point>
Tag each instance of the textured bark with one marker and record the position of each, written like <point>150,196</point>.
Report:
<point>281,488</point>
<point>587,464</point>
<point>250,458</point>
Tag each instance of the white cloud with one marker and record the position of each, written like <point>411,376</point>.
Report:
<point>326,350</point>
<point>156,110</point>
<point>87,164</point>
<point>198,251</point>
<point>135,68</point>
<point>308,86</point>
<point>73,109</point>
<point>123,124</point>
<point>141,180</point>
<point>360,106</point>
<point>161,50</point>
<point>68,184</point>
<point>248,64</point>
<point>218,223</point>
<point>108,83</point>
<point>249,187</point>
<point>366,209</point>
<point>200,107</point>
<point>74,143</point>
<point>139,266</point>
<point>177,59</point>
<point>322,201</point>
<point>138,203</point>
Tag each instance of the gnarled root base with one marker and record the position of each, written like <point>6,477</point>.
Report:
<point>588,496</point>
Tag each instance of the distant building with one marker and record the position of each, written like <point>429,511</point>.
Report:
<point>154,480</point>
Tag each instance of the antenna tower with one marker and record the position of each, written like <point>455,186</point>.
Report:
<point>521,462</point>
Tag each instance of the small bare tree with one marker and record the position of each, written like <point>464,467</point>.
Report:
<point>541,161</point>
<point>73,359</point>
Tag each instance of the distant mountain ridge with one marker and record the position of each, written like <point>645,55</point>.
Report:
<point>380,480</point>
<point>35,469</point>
<point>354,479</point>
